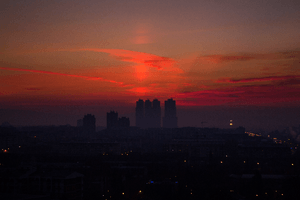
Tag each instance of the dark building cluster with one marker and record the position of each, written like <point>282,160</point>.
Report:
<point>123,162</point>
<point>148,114</point>
<point>112,121</point>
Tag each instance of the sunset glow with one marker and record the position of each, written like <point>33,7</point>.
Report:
<point>200,53</point>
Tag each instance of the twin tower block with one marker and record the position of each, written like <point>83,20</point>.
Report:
<point>148,114</point>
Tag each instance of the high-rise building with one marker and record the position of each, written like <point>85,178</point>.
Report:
<point>139,113</point>
<point>156,112</point>
<point>123,122</point>
<point>111,119</point>
<point>148,119</point>
<point>170,119</point>
<point>148,114</point>
<point>89,123</point>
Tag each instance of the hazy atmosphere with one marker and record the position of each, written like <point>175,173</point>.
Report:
<point>149,99</point>
<point>220,60</point>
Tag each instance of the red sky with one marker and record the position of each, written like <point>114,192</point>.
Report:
<point>111,53</point>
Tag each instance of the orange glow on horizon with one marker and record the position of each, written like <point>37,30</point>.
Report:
<point>141,72</point>
<point>150,60</point>
<point>64,59</point>
<point>140,91</point>
<point>144,74</point>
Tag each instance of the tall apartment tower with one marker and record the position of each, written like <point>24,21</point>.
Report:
<point>111,119</point>
<point>170,119</point>
<point>89,123</point>
<point>148,119</point>
<point>139,113</point>
<point>148,114</point>
<point>156,112</point>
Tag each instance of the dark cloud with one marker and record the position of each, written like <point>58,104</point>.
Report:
<point>242,95</point>
<point>260,79</point>
<point>246,57</point>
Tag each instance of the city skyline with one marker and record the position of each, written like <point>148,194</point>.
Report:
<point>267,118</point>
<point>220,61</point>
<point>148,114</point>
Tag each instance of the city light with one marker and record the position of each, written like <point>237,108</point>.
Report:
<point>175,145</point>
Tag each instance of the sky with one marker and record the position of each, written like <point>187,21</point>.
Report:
<point>220,60</point>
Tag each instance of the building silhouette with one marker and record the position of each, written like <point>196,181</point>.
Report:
<point>139,113</point>
<point>156,112</point>
<point>89,124</point>
<point>148,119</point>
<point>112,121</point>
<point>148,114</point>
<point>170,118</point>
<point>123,122</point>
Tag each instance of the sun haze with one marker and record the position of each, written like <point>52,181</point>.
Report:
<point>108,54</point>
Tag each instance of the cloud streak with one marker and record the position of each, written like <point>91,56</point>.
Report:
<point>149,60</point>
<point>217,59</point>
<point>243,95</point>
<point>223,58</point>
<point>62,74</point>
<point>261,79</point>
